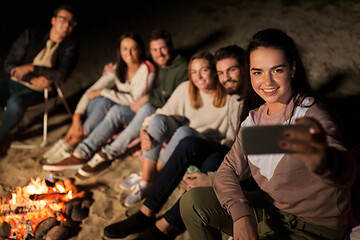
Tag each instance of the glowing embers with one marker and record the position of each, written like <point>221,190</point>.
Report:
<point>42,208</point>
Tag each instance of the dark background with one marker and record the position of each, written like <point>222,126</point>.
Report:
<point>100,23</point>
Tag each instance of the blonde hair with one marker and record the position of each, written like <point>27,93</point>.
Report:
<point>220,93</point>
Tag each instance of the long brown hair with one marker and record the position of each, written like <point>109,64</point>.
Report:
<point>220,93</point>
<point>121,69</point>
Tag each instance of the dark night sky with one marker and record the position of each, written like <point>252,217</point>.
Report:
<point>95,19</point>
<point>17,16</point>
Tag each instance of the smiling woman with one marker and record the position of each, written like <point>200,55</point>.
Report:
<point>271,77</point>
<point>121,86</point>
<point>306,189</point>
<point>182,116</point>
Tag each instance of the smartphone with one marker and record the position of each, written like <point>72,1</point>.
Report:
<point>265,139</point>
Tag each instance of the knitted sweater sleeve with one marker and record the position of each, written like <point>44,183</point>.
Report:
<point>227,182</point>
<point>106,81</point>
<point>174,107</point>
<point>127,93</point>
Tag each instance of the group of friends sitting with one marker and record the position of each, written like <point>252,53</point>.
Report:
<point>187,118</point>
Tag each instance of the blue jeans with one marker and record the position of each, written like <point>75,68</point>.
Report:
<point>16,98</point>
<point>117,116</point>
<point>205,154</point>
<point>164,128</point>
<point>95,112</point>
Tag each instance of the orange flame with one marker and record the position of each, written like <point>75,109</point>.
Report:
<point>13,199</point>
<point>60,188</point>
<point>37,210</point>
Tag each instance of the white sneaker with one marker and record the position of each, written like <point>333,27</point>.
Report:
<point>138,194</point>
<point>56,152</point>
<point>130,182</point>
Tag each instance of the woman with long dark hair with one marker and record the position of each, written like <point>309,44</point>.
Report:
<point>304,194</point>
<point>121,87</point>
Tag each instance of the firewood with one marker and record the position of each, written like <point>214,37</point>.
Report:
<point>45,225</point>
<point>86,202</point>
<point>57,233</point>
<point>5,229</point>
<point>78,213</point>
<point>46,196</point>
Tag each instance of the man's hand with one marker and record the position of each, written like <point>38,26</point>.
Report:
<point>245,229</point>
<point>146,141</point>
<point>197,179</point>
<point>311,147</point>
<point>40,82</point>
<point>94,94</point>
<point>20,71</point>
<point>108,68</point>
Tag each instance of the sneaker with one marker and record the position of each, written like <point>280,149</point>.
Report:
<point>70,162</point>
<point>96,164</point>
<point>130,182</point>
<point>58,156</point>
<point>134,224</point>
<point>56,152</point>
<point>153,233</point>
<point>138,193</point>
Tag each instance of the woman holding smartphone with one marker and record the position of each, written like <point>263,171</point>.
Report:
<point>304,195</point>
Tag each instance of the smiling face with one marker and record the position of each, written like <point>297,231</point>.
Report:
<point>228,71</point>
<point>129,51</point>
<point>271,77</point>
<point>62,24</point>
<point>202,75</point>
<point>159,52</point>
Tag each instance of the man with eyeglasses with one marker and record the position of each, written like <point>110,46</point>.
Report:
<point>36,60</point>
<point>206,155</point>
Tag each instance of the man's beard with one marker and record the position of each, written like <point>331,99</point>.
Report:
<point>233,90</point>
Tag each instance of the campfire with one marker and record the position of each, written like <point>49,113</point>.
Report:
<point>44,209</point>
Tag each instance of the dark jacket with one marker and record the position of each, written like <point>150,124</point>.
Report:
<point>30,43</point>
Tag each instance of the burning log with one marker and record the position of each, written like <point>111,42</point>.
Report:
<point>55,195</point>
<point>53,208</point>
<point>44,226</point>
<point>42,196</point>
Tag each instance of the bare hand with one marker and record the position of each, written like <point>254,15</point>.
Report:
<point>20,71</point>
<point>137,104</point>
<point>94,94</point>
<point>76,129</point>
<point>40,82</point>
<point>198,179</point>
<point>311,147</point>
<point>146,141</point>
<point>245,229</point>
<point>108,69</point>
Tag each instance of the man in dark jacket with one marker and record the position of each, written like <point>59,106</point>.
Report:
<point>36,60</point>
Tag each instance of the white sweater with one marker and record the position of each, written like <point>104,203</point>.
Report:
<point>118,92</point>
<point>208,120</point>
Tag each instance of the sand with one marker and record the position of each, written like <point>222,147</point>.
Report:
<point>327,34</point>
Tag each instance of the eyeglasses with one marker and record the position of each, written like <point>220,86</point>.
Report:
<point>63,19</point>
